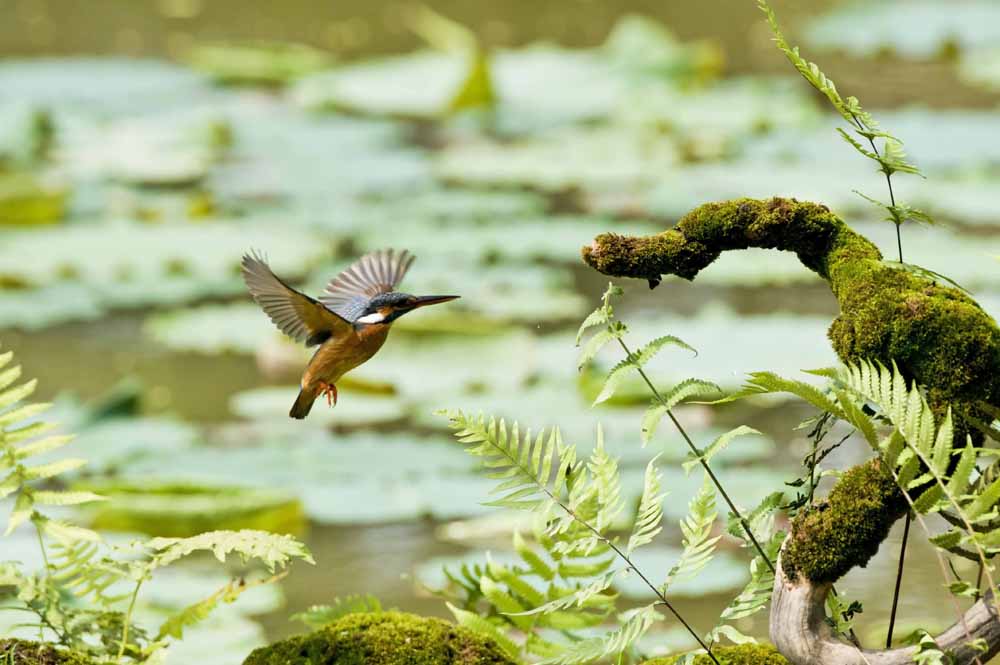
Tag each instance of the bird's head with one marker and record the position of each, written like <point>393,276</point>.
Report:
<point>387,307</point>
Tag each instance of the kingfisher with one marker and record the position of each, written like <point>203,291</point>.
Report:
<point>349,322</point>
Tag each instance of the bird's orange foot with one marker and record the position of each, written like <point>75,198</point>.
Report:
<point>330,391</point>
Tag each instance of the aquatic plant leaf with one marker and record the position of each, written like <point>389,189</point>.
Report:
<point>915,29</point>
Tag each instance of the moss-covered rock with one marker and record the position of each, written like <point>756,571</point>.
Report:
<point>743,654</point>
<point>384,638</point>
<point>936,335</point>
<point>22,652</point>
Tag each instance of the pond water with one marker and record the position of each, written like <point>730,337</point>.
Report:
<point>118,288</point>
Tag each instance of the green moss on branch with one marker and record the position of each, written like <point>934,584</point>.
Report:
<point>847,529</point>
<point>384,638</point>
<point>936,335</point>
<point>743,654</point>
<point>22,652</point>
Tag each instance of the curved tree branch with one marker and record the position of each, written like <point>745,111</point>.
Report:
<point>935,334</point>
<point>801,633</point>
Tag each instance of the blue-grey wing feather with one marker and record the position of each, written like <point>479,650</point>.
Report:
<point>349,293</point>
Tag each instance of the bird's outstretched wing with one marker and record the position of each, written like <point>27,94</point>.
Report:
<point>381,271</point>
<point>296,314</point>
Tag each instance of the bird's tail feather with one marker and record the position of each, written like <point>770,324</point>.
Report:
<point>303,404</point>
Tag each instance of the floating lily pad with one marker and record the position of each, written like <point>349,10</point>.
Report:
<point>183,510</point>
<point>591,157</point>
<point>910,28</point>
<point>333,475</point>
<point>643,45</point>
<point>250,63</point>
<point>239,328</point>
<point>28,200</point>
<point>172,149</point>
<point>107,85</point>
<point>284,155</point>
<point>111,444</point>
<point>554,238</point>
<point>364,410</point>
<point>535,87</point>
<point>150,257</point>
<point>713,122</point>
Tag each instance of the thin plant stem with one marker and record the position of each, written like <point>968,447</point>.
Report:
<point>899,580</point>
<point>704,463</point>
<point>128,621</point>
<point>888,182</point>
<point>41,546</point>
<point>938,555</point>
<point>624,557</point>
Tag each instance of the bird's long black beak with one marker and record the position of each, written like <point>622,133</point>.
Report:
<point>423,301</point>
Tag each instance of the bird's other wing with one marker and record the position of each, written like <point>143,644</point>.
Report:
<point>378,272</point>
<point>296,314</point>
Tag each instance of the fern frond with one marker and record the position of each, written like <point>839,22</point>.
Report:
<point>757,593</point>
<point>607,482</point>
<point>684,390</point>
<point>56,498</point>
<point>637,360</point>
<point>524,465</point>
<point>79,567</point>
<point>649,520</point>
<point>762,383</point>
<point>634,626</point>
<point>195,613</point>
<point>718,445</point>
<point>52,469</point>
<point>699,544</point>
<point>271,549</point>
<point>584,597</point>
<point>603,315</point>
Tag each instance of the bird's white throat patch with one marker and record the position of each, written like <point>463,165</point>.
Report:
<point>374,317</point>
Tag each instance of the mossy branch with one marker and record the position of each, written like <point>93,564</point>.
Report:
<point>936,335</point>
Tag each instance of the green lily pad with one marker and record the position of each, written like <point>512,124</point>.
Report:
<point>276,155</point>
<point>151,257</point>
<point>28,200</point>
<point>538,86</point>
<point>416,85</point>
<point>106,85</point>
<point>553,238</point>
<point>111,444</point>
<point>253,63</point>
<point>183,510</point>
<point>643,45</point>
<point>607,158</point>
<point>239,328</point>
<point>353,410</point>
<point>715,121</point>
<point>910,28</point>
<point>173,149</point>
<point>332,474</point>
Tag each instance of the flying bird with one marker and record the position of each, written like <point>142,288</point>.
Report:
<point>349,322</point>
